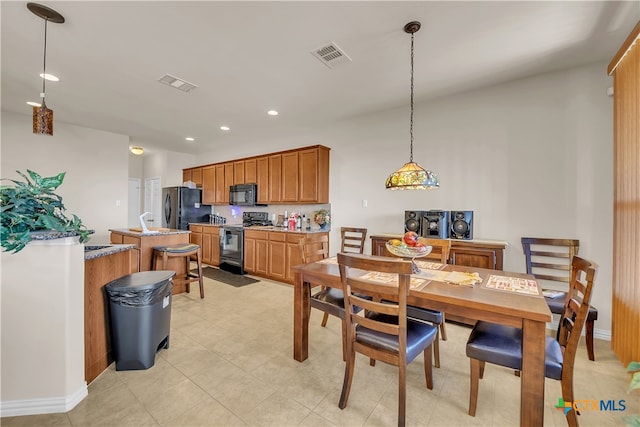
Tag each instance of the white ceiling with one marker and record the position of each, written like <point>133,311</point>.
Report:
<point>248,57</point>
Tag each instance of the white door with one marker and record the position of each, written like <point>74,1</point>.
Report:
<point>134,203</point>
<point>153,202</point>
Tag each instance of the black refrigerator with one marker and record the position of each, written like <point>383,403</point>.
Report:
<point>181,206</point>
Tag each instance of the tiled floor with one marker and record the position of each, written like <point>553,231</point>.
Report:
<point>230,363</point>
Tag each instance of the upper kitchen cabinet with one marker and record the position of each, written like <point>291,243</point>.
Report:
<point>238,173</point>
<point>208,185</point>
<point>313,175</point>
<point>194,175</point>
<point>286,177</point>
<point>290,168</point>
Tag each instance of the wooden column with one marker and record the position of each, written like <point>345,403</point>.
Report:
<point>625,320</point>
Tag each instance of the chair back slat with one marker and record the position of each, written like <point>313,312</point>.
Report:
<point>440,249</point>
<point>314,247</point>
<point>353,239</point>
<point>550,259</point>
<point>576,309</point>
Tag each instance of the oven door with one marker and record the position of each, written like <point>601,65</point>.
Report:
<point>232,247</point>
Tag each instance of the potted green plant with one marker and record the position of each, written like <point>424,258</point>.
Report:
<point>32,206</point>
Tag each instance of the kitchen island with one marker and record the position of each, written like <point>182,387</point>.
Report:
<point>146,242</point>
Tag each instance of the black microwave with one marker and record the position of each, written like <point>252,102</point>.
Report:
<point>243,195</point>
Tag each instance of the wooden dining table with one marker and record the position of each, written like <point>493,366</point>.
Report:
<point>526,311</point>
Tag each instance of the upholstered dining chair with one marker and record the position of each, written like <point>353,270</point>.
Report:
<point>550,260</point>
<point>315,247</point>
<point>440,249</point>
<point>384,333</point>
<point>502,345</point>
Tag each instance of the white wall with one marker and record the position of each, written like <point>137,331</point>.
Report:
<point>532,157</point>
<point>96,165</point>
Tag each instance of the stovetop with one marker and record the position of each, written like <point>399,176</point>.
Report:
<point>266,223</point>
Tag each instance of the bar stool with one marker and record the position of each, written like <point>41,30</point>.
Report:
<point>187,251</point>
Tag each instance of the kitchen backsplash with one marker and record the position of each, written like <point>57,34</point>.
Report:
<point>233,214</point>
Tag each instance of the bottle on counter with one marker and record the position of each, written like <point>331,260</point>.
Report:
<point>298,222</point>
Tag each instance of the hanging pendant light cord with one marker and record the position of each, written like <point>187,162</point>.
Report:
<point>411,120</point>
<point>44,67</point>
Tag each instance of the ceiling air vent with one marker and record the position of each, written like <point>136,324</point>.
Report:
<point>331,55</point>
<point>177,83</point>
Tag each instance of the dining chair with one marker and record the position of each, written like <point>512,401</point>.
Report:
<point>440,249</point>
<point>352,241</point>
<point>384,333</point>
<point>502,345</point>
<point>550,260</point>
<point>315,247</point>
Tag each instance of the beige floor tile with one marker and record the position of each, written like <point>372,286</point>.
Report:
<point>230,363</point>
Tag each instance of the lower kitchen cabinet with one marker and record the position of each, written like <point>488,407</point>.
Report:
<point>473,253</point>
<point>271,254</point>
<point>208,238</point>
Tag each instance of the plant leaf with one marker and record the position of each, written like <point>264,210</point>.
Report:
<point>632,420</point>
<point>633,367</point>
<point>635,382</point>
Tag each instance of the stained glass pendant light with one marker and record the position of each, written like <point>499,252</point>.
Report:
<point>412,176</point>
<point>43,116</point>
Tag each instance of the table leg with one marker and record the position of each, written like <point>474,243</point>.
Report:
<point>532,375</point>
<point>301,307</point>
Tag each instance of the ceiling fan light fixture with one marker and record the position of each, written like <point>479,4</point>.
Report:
<point>412,176</point>
<point>43,116</point>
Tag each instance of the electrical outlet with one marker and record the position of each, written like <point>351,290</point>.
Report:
<point>365,203</point>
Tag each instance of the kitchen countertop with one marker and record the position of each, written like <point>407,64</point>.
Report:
<point>97,251</point>
<point>128,232</point>
<point>264,228</point>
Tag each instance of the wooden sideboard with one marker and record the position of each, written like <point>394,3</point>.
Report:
<point>473,253</point>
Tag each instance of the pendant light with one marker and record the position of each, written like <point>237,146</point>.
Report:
<point>412,176</point>
<point>43,116</point>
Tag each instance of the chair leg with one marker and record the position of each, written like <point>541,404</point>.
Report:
<point>200,281</point>
<point>474,379</point>
<point>348,377</point>
<point>402,390</point>
<point>443,331</point>
<point>567,395</point>
<point>324,320</point>
<point>589,338</point>
<point>436,349</point>
<point>428,371</point>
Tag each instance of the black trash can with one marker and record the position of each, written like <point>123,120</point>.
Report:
<point>140,307</point>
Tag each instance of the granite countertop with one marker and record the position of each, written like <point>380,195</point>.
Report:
<point>97,251</point>
<point>138,233</point>
<point>286,230</point>
<point>52,234</point>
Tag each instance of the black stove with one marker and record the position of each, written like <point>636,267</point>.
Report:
<point>256,218</point>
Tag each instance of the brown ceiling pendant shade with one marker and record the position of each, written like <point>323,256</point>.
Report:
<point>43,116</point>
<point>412,176</point>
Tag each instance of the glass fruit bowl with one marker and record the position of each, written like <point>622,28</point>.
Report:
<point>409,251</point>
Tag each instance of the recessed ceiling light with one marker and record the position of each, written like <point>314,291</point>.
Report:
<point>272,112</point>
<point>49,77</point>
<point>34,104</point>
<point>190,139</point>
<point>225,128</point>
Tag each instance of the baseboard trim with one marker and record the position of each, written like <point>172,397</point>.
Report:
<point>600,334</point>
<point>49,405</point>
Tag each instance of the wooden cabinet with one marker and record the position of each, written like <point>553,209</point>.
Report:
<point>250,171</point>
<point>208,185</point>
<point>483,254</point>
<point>238,172</point>
<point>290,177</point>
<point>262,179</point>
<point>287,177</point>
<point>271,254</point>
<point>256,248</point>
<point>194,175</point>
<point>314,175</point>
<point>208,238</point>
<point>275,178</point>
<point>473,253</point>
